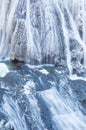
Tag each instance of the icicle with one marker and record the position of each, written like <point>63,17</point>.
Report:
<point>6,17</point>
<point>32,53</point>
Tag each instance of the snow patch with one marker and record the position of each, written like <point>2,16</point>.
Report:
<point>30,84</point>
<point>43,71</point>
<point>3,70</point>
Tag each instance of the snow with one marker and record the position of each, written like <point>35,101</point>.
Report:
<point>30,84</point>
<point>3,70</point>
<point>44,71</point>
<point>62,109</point>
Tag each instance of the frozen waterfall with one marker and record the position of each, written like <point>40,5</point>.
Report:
<point>40,32</point>
<point>42,65</point>
<point>64,115</point>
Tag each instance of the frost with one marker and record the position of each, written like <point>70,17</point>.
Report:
<point>3,70</point>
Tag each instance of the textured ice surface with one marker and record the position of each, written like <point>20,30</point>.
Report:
<point>3,70</point>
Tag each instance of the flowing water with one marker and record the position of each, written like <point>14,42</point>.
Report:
<point>41,32</point>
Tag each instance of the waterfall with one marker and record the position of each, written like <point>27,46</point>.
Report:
<point>11,110</point>
<point>7,11</point>
<point>40,32</point>
<point>42,64</point>
<point>64,115</point>
<point>77,9</point>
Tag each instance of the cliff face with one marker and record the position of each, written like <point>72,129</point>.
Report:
<point>38,32</point>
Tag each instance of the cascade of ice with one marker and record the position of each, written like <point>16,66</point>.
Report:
<point>52,39</point>
<point>84,20</point>
<point>32,52</point>
<point>64,115</point>
<point>12,111</point>
<point>6,15</point>
<point>78,10</point>
<point>67,45</point>
<point>43,31</point>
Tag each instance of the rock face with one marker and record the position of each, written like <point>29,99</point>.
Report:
<point>40,32</point>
